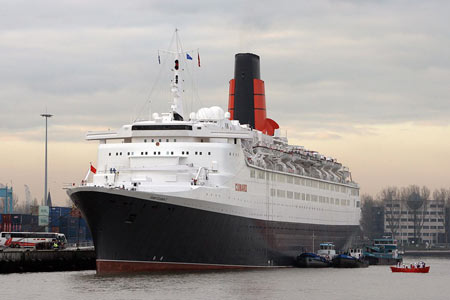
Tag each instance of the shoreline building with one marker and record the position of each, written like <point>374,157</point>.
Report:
<point>415,222</point>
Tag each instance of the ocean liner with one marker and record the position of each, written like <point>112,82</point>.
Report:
<point>213,189</point>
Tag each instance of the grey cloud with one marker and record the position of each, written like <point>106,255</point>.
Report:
<point>358,63</point>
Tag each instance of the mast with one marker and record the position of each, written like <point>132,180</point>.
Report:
<point>177,106</point>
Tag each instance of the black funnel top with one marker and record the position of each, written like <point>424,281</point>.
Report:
<point>246,68</point>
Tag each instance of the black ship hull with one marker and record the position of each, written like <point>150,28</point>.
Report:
<point>133,234</point>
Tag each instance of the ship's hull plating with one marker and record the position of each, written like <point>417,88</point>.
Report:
<point>133,234</point>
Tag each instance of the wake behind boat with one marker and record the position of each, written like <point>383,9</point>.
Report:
<point>213,189</point>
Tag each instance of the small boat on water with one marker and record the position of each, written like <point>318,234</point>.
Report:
<point>383,252</point>
<point>322,259</point>
<point>312,260</point>
<point>413,268</point>
<point>348,261</point>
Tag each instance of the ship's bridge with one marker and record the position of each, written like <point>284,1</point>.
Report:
<point>152,155</point>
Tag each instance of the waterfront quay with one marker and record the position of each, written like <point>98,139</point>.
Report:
<point>24,260</point>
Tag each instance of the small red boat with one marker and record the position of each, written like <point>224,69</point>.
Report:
<point>410,270</point>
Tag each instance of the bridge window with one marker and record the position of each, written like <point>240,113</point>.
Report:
<point>161,127</point>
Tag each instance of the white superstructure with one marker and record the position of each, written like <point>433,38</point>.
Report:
<point>215,160</point>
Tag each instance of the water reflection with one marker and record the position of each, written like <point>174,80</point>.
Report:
<point>375,282</point>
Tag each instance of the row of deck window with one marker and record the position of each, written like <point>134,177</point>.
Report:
<point>308,197</point>
<point>160,140</point>
<point>412,220</point>
<point>301,181</point>
<point>159,153</point>
<point>397,212</point>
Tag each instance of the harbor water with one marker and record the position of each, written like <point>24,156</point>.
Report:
<point>375,282</point>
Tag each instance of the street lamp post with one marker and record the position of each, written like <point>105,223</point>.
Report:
<point>46,116</point>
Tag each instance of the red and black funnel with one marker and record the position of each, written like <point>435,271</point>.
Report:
<point>247,102</point>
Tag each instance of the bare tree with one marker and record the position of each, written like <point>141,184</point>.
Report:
<point>443,197</point>
<point>371,213</point>
<point>417,200</point>
<point>392,209</point>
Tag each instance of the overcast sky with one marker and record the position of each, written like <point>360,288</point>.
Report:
<point>364,81</point>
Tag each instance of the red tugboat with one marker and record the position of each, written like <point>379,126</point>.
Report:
<point>413,268</point>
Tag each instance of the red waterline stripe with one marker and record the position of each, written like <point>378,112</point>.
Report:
<point>114,266</point>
